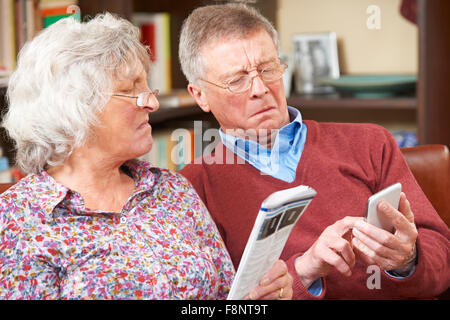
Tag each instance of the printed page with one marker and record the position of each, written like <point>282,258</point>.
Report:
<point>266,242</point>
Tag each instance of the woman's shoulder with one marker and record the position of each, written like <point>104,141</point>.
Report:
<point>16,202</point>
<point>20,189</point>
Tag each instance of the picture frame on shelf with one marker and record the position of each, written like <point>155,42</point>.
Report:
<point>288,73</point>
<point>315,57</point>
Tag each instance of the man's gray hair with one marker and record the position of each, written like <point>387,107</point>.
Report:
<point>213,22</point>
<point>64,78</point>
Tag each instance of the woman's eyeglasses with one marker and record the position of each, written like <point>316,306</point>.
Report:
<point>143,99</point>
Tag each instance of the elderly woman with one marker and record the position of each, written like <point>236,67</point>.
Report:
<point>89,221</point>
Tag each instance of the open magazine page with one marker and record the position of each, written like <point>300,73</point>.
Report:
<point>268,237</point>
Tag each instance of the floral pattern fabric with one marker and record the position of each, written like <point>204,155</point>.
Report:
<point>162,245</point>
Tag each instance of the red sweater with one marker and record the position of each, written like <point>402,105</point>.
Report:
<point>345,164</point>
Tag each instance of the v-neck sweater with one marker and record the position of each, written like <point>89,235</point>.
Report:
<point>345,164</point>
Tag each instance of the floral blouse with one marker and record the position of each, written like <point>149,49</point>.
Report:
<point>162,245</point>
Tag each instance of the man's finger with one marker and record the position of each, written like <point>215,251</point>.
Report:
<point>405,208</point>
<point>341,227</point>
<point>381,236</point>
<point>271,290</point>
<point>278,269</point>
<point>344,249</point>
<point>399,221</point>
<point>376,247</point>
<point>336,260</point>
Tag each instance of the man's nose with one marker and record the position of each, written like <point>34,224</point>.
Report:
<point>258,87</point>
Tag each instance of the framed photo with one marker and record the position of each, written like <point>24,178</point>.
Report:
<point>315,57</point>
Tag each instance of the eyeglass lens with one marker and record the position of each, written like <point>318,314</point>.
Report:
<point>276,72</point>
<point>146,98</point>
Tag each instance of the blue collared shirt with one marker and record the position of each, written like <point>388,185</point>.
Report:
<point>279,162</point>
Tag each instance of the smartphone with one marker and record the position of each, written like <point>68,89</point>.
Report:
<point>391,195</point>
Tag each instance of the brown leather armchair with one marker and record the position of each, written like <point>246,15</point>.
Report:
<point>430,165</point>
<point>5,186</point>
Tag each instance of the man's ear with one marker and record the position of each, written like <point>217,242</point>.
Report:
<point>199,95</point>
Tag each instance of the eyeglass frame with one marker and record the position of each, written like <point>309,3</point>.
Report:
<point>154,93</point>
<point>283,64</point>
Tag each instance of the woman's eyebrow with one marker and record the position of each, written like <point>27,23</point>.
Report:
<point>132,79</point>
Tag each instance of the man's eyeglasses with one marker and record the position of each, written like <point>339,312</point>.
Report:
<point>143,99</point>
<point>269,72</point>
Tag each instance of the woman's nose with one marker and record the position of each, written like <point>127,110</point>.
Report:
<point>149,101</point>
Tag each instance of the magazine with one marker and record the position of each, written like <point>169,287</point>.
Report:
<point>277,216</point>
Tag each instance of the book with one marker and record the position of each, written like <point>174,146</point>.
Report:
<point>49,20</point>
<point>21,20</point>
<point>277,216</point>
<point>182,150</point>
<point>4,77</point>
<point>176,98</point>
<point>172,148</point>
<point>155,33</point>
<point>52,11</point>
<point>8,48</point>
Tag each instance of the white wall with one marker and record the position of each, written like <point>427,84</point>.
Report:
<point>391,49</point>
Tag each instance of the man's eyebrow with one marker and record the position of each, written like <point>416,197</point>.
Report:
<point>244,68</point>
<point>234,71</point>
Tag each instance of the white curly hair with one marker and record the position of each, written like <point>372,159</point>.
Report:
<point>64,78</point>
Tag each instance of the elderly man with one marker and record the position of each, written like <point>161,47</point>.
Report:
<point>229,53</point>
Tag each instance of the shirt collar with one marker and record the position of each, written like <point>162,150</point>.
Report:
<point>282,160</point>
<point>49,193</point>
<point>242,147</point>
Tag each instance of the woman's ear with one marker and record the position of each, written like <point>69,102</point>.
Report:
<point>199,95</point>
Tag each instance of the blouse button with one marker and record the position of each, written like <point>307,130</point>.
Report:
<point>123,220</point>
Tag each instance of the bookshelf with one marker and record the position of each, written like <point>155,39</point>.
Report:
<point>428,111</point>
<point>336,101</point>
<point>178,11</point>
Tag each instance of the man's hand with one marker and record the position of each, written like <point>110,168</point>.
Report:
<point>387,250</point>
<point>331,250</point>
<point>276,284</point>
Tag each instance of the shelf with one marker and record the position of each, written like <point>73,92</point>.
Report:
<point>168,113</point>
<point>336,101</point>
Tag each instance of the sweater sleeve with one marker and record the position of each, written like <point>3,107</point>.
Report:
<point>300,292</point>
<point>432,274</point>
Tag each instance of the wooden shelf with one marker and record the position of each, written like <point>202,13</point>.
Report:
<point>335,101</point>
<point>177,113</point>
